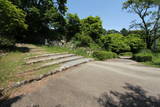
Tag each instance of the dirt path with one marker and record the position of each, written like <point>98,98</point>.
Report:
<point>95,84</point>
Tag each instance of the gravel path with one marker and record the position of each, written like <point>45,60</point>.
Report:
<point>90,85</point>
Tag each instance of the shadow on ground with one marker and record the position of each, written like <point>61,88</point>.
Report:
<point>9,102</point>
<point>134,97</point>
<point>14,49</point>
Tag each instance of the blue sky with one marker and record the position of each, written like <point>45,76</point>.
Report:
<point>110,11</point>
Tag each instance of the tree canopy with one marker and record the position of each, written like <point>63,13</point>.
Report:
<point>42,16</point>
<point>11,17</point>
<point>92,26</point>
<point>146,9</point>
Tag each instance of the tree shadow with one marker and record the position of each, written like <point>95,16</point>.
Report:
<point>134,97</point>
<point>9,102</point>
<point>14,49</point>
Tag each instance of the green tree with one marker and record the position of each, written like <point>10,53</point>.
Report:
<point>92,26</point>
<point>115,42</point>
<point>43,17</point>
<point>11,19</point>
<point>73,25</point>
<point>124,32</point>
<point>135,42</point>
<point>146,9</point>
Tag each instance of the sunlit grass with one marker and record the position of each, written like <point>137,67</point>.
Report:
<point>12,64</point>
<point>78,51</point>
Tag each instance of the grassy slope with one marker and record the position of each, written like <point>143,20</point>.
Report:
<point>10,65</point>
<point>13,63</point>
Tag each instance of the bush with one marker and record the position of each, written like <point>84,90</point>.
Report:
<point>126,54</point>
<point>115,43</point>
<point>83,40</point>
<point>5,42</point>
<point>143,56</point>
<point>103,55</point>
<point>145,51</point>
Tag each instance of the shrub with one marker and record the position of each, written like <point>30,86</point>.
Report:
<point>83,40</point>
<point>126,54</point>
<point>103,55</point>
<point>143,56</point>
<point>115,43</point>
<point>94,46</point>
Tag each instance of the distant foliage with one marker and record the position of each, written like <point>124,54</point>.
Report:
<point>92,26</point>
<point>124,32</point>
<point>103,55</point>
<point>112,31</point>
<point>73,26</point>
<point>115,42</point>
<point>135,42</point>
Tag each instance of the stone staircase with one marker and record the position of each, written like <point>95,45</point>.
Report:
<point>64,60</point>
<point>47,58</point>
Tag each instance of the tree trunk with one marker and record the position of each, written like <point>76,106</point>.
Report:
<point>149,43</point>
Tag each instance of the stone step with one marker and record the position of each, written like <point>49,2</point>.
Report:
<point>59,61</point>
<point>44,55</point>
<point>75,63</point>
<point>49,58</point>
<point>64,60</point>
<point>62,68</point>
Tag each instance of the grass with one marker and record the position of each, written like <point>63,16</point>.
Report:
<point>10,65</point>
<point>46,70</point>
<point>77,51</point>
<point>13,63</point>
<point>155,60</point>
